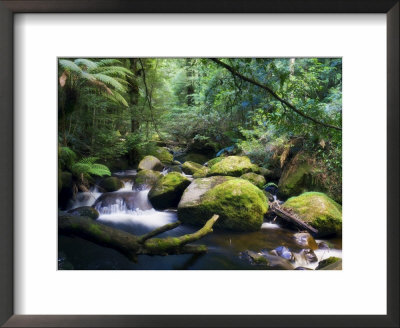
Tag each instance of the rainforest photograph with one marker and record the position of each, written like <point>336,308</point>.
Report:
<point>199,163</point>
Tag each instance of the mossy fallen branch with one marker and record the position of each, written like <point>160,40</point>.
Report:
<point>131,245</point>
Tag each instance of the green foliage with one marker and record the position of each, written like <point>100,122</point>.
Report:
<point>87,166</point>
<point>66,157</point>
<point>112,109</point>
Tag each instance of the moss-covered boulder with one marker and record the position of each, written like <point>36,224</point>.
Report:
<point>213,161</point>
<point>146,178</point>
<point>150,163</point>
<point>255,179</point>
<point>111,184</point>
<point>175,168</point>
<point>85,211</point>
<point>162,154</point>
<point>305,173</point>
<point>297,177</point>
<point>168,190</point>
<point>240,205</point>
<point>318,210</point>
<point>333,266</point>
<point>327,262</point>
<point>234,166</point>
<point>195,169</point>
<point>191,167</point>
<point>202,173</point>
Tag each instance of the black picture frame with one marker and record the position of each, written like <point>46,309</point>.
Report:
<point>10,7</point>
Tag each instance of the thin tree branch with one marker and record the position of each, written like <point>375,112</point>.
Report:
<point>272,93</point>
<point>159,230</point>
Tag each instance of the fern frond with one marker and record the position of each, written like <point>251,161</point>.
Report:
<point>80,168</point>
<point>69,65</point>
<point>110,81</point>
<point>100,170</point>
<point>86,62</point>
<point>88,160</point>
<point>115,71</point>
<point>117,98</point>
<point>108,61</point>
<point>66,156</point>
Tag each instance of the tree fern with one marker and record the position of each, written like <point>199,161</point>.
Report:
<point>104,76</point>
<point>69,66</point>
<point>66,157</point>
<point>87,166</point>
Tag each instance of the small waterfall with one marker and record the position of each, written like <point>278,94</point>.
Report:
<point>85,198</point>
<point>131,211</point>
<point>270,225</point>
<point>164,171</point>
<point>128,184</point>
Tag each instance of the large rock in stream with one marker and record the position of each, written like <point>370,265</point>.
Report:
<point>195,169</point>
<point>162,154</point>
<point>304,173</point>
<point>111,184</point>
<point>150,163</point>
<point>88,211</point>
<point>233,166</point>
<point>319,211</point>
<point>255,179</point>
<point>146,178</point>
<point>168,190</point>
<point>240,205</point>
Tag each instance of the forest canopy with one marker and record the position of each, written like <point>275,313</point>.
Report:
<point>114,111</point>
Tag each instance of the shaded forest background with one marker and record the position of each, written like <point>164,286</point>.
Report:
<point>281,113</point>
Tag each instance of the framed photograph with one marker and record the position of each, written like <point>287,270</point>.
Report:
<point>214,164</point>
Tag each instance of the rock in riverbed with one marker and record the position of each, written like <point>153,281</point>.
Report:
<point>240,205</point>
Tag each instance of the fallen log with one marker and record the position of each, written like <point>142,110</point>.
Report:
<point>291,218</point>
<point>132,245</point>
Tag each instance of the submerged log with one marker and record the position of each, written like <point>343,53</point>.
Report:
<point>131,245</point>
<point>291,218</point>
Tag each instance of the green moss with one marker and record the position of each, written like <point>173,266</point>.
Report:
<point>233,166</point>
<point>168,190</point>
<point>162,154</point>
<point>66,179</point>
<point>213,161</point>
<point>111,184</point>
<point>191,167</point>
<point>85,211</point>
<point>326,262</point>
<point>150,163</point>
<point>202,173</point>
<point>256,179</point>
<point>95,229</point>
<point>292,181</point>
<point>195,169</point>
<point>240,205</point>
<point>147,177</point>
<point>318,210</point>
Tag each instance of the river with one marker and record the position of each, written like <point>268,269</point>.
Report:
<point>128,209</point>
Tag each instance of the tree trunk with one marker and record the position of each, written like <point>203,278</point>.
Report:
<point>131,245</point>
<point>291,218</point>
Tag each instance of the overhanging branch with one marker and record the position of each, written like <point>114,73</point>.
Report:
<point>273,94</point>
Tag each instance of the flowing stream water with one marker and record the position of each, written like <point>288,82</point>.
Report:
<point>129,209</point>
